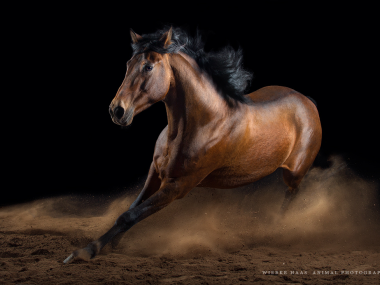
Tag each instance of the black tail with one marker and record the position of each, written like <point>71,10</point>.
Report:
<point>312,100</point>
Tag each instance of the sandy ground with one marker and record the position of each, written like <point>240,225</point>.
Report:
<point>330,235</point>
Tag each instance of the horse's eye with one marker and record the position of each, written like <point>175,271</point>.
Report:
<point>148,67</point>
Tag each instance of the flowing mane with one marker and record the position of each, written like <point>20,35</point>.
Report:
<point>225,66</point>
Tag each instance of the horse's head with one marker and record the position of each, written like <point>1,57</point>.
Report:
<point>146,82</point>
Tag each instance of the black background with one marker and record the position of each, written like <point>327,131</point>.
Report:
<point>69,61</point>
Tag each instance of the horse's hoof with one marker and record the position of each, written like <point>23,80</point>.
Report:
<point>69,259</point>
<point>86,253</point>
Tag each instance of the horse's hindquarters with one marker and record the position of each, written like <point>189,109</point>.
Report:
<point>285,132</point>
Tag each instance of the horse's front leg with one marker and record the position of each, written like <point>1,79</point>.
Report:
<point>152,184</point>
<point>170,189</point>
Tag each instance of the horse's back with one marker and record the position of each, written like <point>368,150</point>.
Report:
<point>273,101</point>
<point>270,93</point>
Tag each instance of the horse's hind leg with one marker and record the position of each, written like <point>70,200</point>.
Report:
<point>295,169</point>
<point>299,161</point>
<point>292,180</point>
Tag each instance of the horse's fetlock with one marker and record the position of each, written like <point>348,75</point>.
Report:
<point>93,249</point>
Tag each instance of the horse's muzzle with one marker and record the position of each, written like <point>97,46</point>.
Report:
<point>120,116</point>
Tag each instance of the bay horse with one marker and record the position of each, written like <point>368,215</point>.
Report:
<point>216,136</point>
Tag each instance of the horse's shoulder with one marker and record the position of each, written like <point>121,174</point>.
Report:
<point>271,93</point>
<point>161,141</point>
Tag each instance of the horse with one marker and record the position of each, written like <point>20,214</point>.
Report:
<point>216,136</point>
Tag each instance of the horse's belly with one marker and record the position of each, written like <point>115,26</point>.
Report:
<point>229,177</point>
<point>253,160</point>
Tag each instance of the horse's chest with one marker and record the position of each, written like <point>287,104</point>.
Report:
<point>177,161</point>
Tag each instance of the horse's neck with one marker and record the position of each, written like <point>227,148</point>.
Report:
<point>192,101</point>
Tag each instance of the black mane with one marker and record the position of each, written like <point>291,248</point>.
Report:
<point>225,66</point>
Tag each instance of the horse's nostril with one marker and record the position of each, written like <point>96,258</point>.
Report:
<point>119,112</point>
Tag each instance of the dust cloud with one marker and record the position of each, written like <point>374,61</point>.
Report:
<point>334,208</point>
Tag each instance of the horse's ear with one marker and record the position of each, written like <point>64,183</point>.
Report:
<point>135,37</point>
<point>167,37</point>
